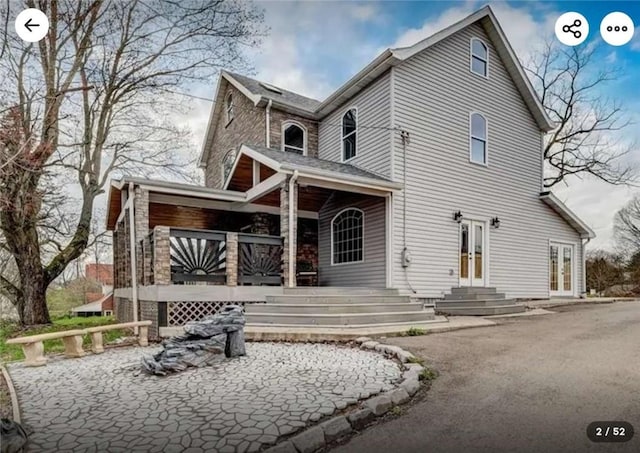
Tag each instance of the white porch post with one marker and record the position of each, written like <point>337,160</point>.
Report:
<point>289,228</point>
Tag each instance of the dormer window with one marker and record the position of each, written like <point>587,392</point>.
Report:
<point>349,134</point>
<point>479,57</point>
<point>229,107</point>
<point>294,138</point>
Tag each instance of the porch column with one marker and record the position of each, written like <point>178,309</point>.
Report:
<point>161,256</point>
<point>289,229</point>
<point>141,225</point>
<point>232,259</point>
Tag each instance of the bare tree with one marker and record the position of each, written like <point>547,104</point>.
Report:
<point>569,81</point>
<point>90,99</point>
<point>604,269</point>
<point>626,226</point>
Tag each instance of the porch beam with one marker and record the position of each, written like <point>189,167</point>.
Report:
<point>222,206</point>
<point>336,185</point>
<point>267,186</point>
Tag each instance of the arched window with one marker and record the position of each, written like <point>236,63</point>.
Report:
<point>347,237</point>
<point>228,103</point>
<point>227,163</point>
<point>479,57</point>
<point>294,138</point>
<point>478,139</point>
<point>349,132</point>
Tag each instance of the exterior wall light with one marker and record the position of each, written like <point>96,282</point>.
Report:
<point>495,222</point>
<point>457,216</point>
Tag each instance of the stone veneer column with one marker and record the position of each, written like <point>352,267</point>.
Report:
<point>162,256</point>
<point>141,221</point>
<point>232,259</point>
<point>288,242</point>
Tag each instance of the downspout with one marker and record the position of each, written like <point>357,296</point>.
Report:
<point>584,294</point>
<point>134,264</point>
<point>268,123</point>
<point>292,252</point>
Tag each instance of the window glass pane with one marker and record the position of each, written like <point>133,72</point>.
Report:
<point>348,237</point>
<point>478,48</point>
<point>478,129</point>
<point>478,66</point>
<point>350,146</point>
<point>566,261</point>
<point>478,151</point>
<point>227,163</point>
<point>294,137</point>
<point>553,267</point>
<point>349,122</point>
<point>464,251</point>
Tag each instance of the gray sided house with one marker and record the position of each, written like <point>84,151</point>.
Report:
<point>421,176</point>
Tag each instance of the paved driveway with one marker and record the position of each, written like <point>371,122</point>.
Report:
<point>532,384</point>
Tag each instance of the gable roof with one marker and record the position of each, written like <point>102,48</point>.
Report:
<point>568,215</point>
<point>394,57</point>
<point>283,97</point>
<point>287,162</point>
<point>287,100</point>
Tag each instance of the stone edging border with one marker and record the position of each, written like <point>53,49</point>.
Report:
<point>316,437</point>
<point>13,395</point>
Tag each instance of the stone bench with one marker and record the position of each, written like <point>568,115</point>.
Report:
<point>96,333</point>
<point>34,349</point>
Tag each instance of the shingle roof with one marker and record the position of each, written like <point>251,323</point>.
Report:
<point>294,161</point>
<point>286,97</point>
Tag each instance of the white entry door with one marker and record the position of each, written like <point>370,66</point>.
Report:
<point>561,269</point>
<point>473,257</point>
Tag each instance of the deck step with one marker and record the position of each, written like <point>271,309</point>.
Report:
<point>337,299</point>
<point>474,296</point>
<point>340,291</point>
<point>474,303</point>
<point>311,309</point>
<point>473,290</point>
<point>485,310</point>
<point>339,319</point>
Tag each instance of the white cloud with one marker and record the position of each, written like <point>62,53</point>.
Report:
<point>635,41</point>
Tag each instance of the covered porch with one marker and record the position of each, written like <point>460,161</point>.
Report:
<point>197,249</point>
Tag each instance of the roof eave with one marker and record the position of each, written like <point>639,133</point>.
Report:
<point>568,215</point>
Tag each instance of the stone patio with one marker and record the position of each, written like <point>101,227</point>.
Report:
<point>105,403</point>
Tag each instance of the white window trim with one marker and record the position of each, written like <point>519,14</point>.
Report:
<point>485,139</point>
<point>305,134</point>
<point>363,238</point>
<point>471,55</point>
<point>228,106</point>
<point>342,137</point>
<point>575,291</point>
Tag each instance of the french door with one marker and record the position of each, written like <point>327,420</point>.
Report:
<point>473,257</point>
<point>561,269</point>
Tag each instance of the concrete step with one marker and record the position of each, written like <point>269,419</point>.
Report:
<point>336,299</point>
<point>474,303</point>
<point>340,291</point>
<point>472,296</point>
<point>339,319</point>
<point>311,309</point>
<point>482,310</point>
<point>473,290</point>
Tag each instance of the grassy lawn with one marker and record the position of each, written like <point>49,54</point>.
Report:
<point>10,352</point>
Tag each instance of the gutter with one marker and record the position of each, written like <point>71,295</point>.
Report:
<point>292,252</point>
<point>134,263</point>
<point>268,123</point>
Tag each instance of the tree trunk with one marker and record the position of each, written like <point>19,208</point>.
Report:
<point>35,290</point>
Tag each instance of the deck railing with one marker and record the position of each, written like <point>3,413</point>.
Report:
<point>208,257</point>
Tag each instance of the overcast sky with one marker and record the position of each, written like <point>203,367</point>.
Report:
<point>314,47</point>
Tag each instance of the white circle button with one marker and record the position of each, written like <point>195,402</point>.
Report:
<point>32,25</point>
<point>616,28</point>
<point>572,28</point>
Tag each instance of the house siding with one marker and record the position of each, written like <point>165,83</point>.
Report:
<point>434,93</point>
<point>374,119</point>
<point>370,272</point>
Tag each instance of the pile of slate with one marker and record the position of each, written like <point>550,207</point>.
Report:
<point>202,343</point>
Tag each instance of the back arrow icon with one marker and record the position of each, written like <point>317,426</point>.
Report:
<point>28,25</point>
